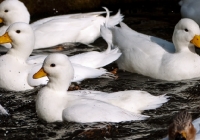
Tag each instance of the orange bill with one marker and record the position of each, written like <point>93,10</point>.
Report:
<point>1,20</point>
<point>5,38</point>
<point>41,73</point>
<point>196,40</point>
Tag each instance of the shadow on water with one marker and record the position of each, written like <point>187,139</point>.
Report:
<point>23,123</point>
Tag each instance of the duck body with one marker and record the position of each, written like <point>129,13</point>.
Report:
<point>124,99</point>
<point>170,67</point>
<point>69,29</point>
<point>15,77</point>
<point>155,57</point>
<point>95,105</point>
<point>190,9</point>
<point>71,108</point>
<point>46,106</point>
<point>13,67</point>
<point>82,27</point>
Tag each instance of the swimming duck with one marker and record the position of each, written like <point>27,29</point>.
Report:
<point>3,111</point>
<point>16,73</point>
<point>82,27</point>
<point>190,9</point>
<point>154,57</point>
<point>55,103</point>
<point>182,128</point>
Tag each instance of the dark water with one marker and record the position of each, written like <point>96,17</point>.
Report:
<point>22,123</point>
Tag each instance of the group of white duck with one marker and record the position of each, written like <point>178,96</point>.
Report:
<point>134,52</point>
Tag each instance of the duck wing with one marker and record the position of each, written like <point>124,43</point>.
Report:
<point>81,73</point>
<point>97,111</point>
<point>38,23</point>
<point>96,59</point>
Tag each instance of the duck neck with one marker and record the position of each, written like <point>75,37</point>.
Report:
<point>22,49</point>
<point>61,83</point>
<point>20,53</point>
<point>189,48</point>
<point>184,47</point>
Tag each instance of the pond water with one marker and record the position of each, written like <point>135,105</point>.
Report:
<point>23,123</point>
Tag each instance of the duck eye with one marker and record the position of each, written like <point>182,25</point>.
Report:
<point>186,29</point>
<point>53,65</point>
<point>6,11</point>
<point>18,31</point>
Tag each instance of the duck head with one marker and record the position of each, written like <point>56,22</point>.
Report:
<point>182,127</point>
<point>12,11</point>
<point>186,35</point>
<point>59,70</point>
<point>22,38</point>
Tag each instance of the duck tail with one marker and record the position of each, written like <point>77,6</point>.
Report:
<point>106,34</point>
<point>3,111</point>
<point>110,57</point>
<point>113,20</point>
<point>112,53</point>
<point>158,101</point>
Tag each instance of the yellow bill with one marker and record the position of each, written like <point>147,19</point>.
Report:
<point>1,20</point>
<point>196,41</point>
<point>5,38</point>
<point>41,73</point>
<point>183,133</point>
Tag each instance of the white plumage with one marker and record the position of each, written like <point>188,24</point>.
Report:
<point>55,103</point>
<point>82,27</point>
<point>17,68</point>
<point>155,57</point>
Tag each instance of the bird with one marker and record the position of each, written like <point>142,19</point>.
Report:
<point>182,127</point>
<point>55,103</point>
<point>190,9</point>
<point>16,73</point>
<point>155,57</point>
<point>91,59</point>
<point>3,111</point>
<point>51,31</point>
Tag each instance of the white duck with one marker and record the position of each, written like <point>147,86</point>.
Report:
<point>182,128</point>
<point>84,28</point>
<point>190,9</point>
<point>92,59</point>
<point>55,103</point>
<point>16,73</point>
<point>155,57</point>
<point>3,111</point>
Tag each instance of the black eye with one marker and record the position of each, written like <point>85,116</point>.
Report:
<point>53,65</point>
<point>6,11</point>
<point>186,29</point>
<point>18,31</point>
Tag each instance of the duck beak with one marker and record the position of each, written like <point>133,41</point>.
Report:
<point>41,73</point>
<point>5,38</point>
<point>181,136</point>
<point>1,20</point>
<point>196,41</point>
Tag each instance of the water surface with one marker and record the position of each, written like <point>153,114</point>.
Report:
<point>23,123</point>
